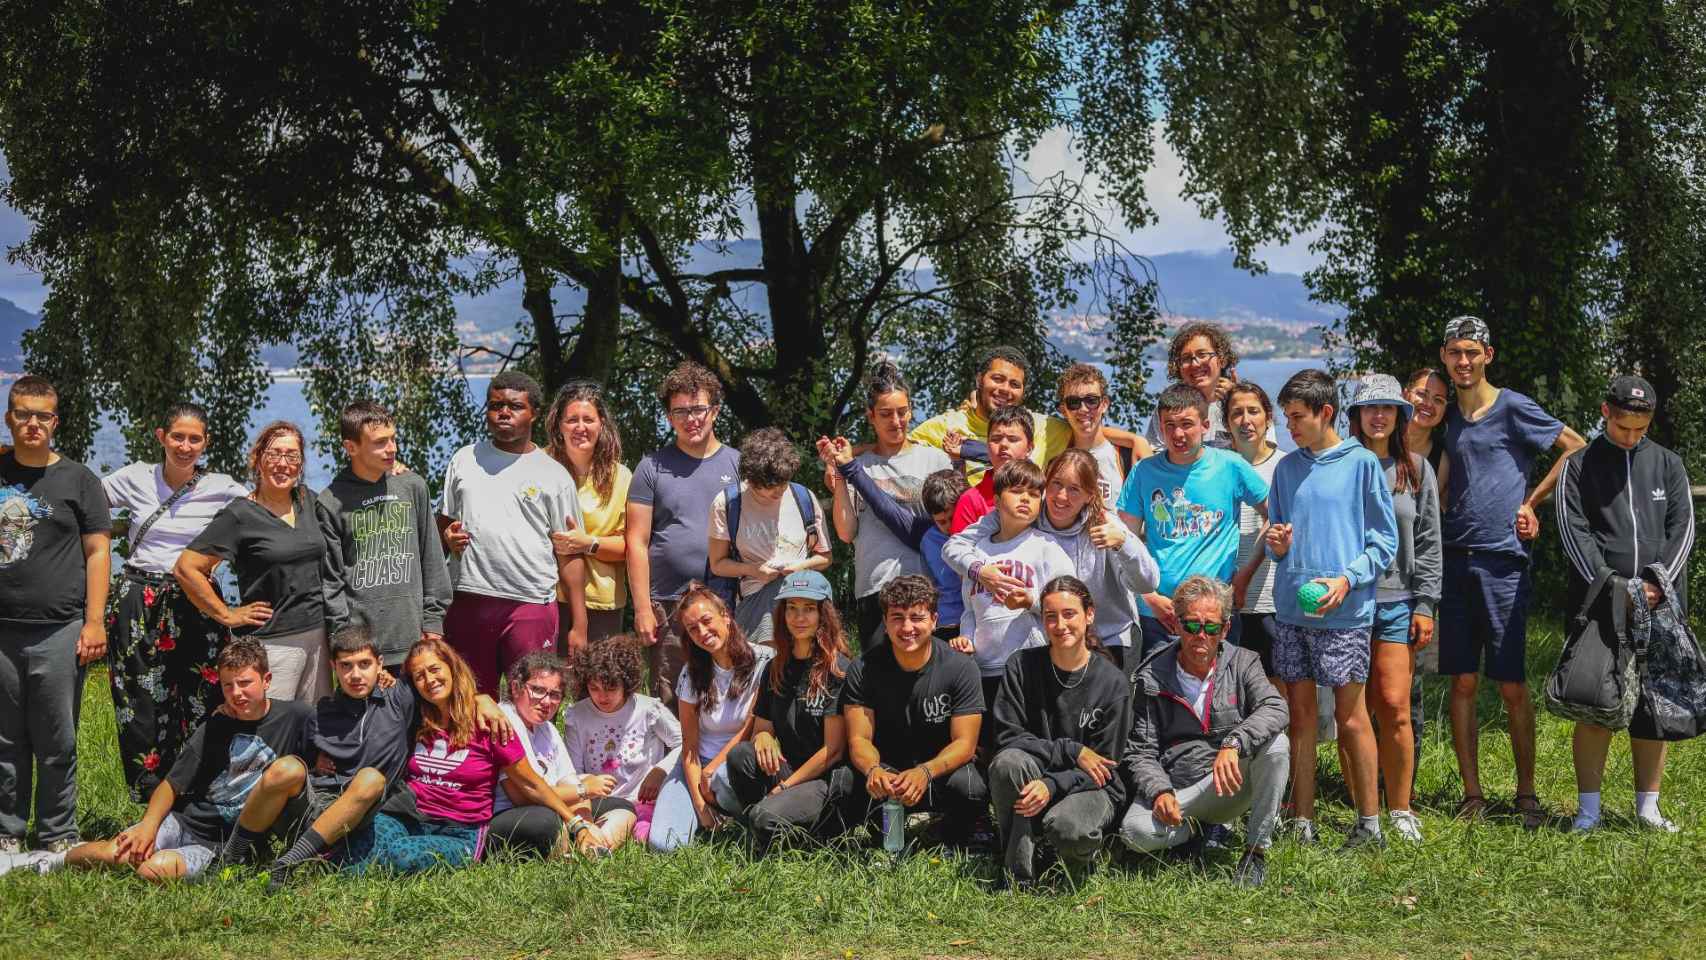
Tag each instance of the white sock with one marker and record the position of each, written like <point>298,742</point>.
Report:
<point>1371,824</point>
<point>1647,805</point>
<point>1587,806</point>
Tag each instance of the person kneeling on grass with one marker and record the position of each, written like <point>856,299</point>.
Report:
<point>235,781</point>
<point>913,708</point>
<point>1208,739</point>
<point>614,731</point>
<point>790,775</point>
<point>534,692</point>
<point>442,817</point>
<point>1061,718</point>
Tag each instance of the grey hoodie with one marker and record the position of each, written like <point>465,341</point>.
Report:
<point>1418,569</point>
<point>1114,577</point>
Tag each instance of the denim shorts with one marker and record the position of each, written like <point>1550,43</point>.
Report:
<point>1392,621</point>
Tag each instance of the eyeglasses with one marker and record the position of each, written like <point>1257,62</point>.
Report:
<point>694,412</point>
<point>543,695</point>
<point>43,417</point>
<point>289,458</point>
<point>1203,357</point>
<point>1210,627</point>
<point>1090,402</point>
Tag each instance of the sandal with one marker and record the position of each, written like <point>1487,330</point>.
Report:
<point>1533,814</point>
<point>1472,807</point>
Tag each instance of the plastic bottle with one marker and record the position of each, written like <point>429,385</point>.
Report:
<point>894,826</point>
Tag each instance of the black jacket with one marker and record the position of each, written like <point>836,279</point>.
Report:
<point>1625,510</point>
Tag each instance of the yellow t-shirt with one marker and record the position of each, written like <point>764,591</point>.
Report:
<point>1050,435</point>
<point>606,583</point>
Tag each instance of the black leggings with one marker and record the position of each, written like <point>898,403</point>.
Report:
<point>532,830</point>
<point>811,809</point>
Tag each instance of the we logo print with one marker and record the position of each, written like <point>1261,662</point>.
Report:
<point>935,708</point>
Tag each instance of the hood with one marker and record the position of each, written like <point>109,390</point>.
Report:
<point>1331,454</point>
<point>1072,529</point>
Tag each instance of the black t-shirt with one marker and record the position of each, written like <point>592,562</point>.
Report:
<point>44,513</point>
<point>275,563</point>
<point>911,710</point>
<point>224,760</point>
<point>372,732</point>
<point>796,713</point>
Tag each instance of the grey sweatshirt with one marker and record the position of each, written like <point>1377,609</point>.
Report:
<point>1114,577</point>
<point>1418,570</point>
<point>384,563</point>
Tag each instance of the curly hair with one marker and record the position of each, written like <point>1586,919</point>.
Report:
<point>1216,337</point>
<point>606,450</point>
<point>912,590</point>
<point>690,378</point>
<point>768,458</point>
<point>700,667</point>
<point>527,666</point>
<point>521,383</point>
<point>612,662</point>
<point>455,721</point>
<point>1080,373</point>
<point>828,649</point>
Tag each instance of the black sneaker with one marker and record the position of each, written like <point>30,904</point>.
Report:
<point>1361,836</point>
<point>1218,836</point>
<point>1252,870</point>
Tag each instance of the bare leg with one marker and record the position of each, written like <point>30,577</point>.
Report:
<point>1588,747</point>
<point>1358,740</point>
<point>616,828</point>
<point>1301,696</point>
<point>1649,763</point>
<point>162,867</point>
<point>283,779</point>
<point>364,790</point>
<point>1465,732</point>
<point>94,854</point>
<point>1389,702</point>
<point>1519,714</point>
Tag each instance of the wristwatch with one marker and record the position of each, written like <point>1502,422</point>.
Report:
<point>1232,743</point>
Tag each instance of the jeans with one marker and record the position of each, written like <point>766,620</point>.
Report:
<point>1264,783</point>
<point>1075,824</point>
<point>810,809</point>
<point>674,824</point>
<point>41,695</point>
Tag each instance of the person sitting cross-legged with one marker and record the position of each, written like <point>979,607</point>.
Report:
<point>1208,740</point>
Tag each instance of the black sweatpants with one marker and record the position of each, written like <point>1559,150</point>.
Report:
<point>962,797</point>
<point>811,809</point>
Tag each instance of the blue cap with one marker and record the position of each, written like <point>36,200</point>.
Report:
<point>805,585</point>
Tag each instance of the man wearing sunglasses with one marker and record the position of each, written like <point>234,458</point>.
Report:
<point>1208,740</point>
<point>1083,394</point>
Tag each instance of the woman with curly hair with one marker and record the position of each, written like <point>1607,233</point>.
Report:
<point>580,435</point>
<point>790,775</point>
<point>1202,357</point>
<point>617,732</point>
<point>716,692</point>
<point>271,539</point>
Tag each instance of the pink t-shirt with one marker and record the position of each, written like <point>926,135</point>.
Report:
<point>456,785</point>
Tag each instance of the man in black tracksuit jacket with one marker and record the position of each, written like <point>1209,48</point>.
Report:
<point>1624,512</point>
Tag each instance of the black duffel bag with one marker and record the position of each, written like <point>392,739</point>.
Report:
<point>1597,680</point>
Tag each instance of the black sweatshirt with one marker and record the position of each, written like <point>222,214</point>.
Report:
<point>1624,510</point>
<point>1036,713</point>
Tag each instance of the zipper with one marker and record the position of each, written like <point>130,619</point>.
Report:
<point>1634,522</point>
<point>1207,699</point>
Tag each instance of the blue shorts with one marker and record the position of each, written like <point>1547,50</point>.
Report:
<point>1484,608</point>
<point>1329,656</point>
<point>1392,621</point>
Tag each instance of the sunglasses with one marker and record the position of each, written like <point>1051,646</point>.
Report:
<point>1210,627</point>
<point>1090,402</point>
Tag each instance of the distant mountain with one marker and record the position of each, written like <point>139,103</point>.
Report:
<point>14,320</point>
<point>1205,284</point>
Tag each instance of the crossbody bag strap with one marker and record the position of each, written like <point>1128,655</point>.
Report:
<point>171,501</point>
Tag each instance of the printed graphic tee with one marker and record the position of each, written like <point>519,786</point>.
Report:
<point>1190,513</point>
<point>878,555</point>
<point>798,713</point>
<point>510,503</point>
<point>911,710</point>
<point>772,533</point>
<point>224,760</point>
<point>997,631</point>
<point>44,513</point>
<point>456,785</point>
<point>640,737</point>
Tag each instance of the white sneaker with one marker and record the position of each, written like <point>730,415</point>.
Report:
<point>1584,824</point>
<point>9,845</point>
<point>1662,824</point>
<point>36,861</point>
<point>1406,825</point>
<point>1303,832</point>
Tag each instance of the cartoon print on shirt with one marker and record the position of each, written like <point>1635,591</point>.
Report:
<point>1181,519</point>
<point>247,759</point>
<point>19,513</point>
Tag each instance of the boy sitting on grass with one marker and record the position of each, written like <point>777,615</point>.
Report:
<point>236,781</point>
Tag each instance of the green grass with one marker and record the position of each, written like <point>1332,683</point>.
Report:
<point>1488,890</point>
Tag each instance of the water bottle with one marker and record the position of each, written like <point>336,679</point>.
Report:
<point>894,826</point>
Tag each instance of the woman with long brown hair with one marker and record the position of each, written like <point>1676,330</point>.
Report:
<point>789,776</point>
<point>273,543</point>
<point>581,436</point>
<point>716,692</point>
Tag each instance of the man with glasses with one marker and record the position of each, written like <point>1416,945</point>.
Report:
<point>669,517</point>
<point>1208,740</point>
<point>503,498</point>
<point>1202,357</point>
<point>55,535</point>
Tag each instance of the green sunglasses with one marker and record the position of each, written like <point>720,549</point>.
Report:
<point>1198,626</point>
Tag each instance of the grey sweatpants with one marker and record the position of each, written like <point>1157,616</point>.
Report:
<point>41,694</point>
<point>1264,783</point>
<point>1075,825</point>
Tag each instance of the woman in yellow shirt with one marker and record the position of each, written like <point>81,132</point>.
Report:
<point>583,438</point>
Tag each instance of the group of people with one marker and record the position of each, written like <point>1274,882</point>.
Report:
<point>1057,631</point>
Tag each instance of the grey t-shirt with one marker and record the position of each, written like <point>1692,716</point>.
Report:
<point>878,555</point>
<point>510,504</point>
<point>1259,598</point>
<point>680,488</point>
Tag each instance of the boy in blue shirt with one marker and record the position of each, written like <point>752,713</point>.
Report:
<point>1332,525</point>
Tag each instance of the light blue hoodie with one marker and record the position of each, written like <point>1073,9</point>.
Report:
<point>1340,509</point>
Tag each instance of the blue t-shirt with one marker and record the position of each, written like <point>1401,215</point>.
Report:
<point>679,489</point>
<point>1490,462</point>
<point>1190,513</point>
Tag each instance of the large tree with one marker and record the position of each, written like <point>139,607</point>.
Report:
<point>210,177</point>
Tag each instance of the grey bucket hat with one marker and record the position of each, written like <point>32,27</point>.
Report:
<point>1379,389</point>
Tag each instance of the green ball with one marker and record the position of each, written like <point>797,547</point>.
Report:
<point>1309,596</point>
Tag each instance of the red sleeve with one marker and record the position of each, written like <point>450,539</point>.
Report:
<point>968,510</point>
<point>506,755</point>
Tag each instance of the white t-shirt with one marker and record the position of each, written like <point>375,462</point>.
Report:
<point>1108,468</point>
<point>774,533</point>
<point>998,631</point>
<point>878,555</point>
<point>1260,597</point>
<point>545,750</point>
<point>1196,689</point>
<point>719,725</point>
<point>510,504</point>
<point>629,744</point>
<point>141,487</point>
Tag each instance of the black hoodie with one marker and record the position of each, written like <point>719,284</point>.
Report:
<point>1624,510</point>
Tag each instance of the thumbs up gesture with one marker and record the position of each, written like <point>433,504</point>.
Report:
<point>572,541</point>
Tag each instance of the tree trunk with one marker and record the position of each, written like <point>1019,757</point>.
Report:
<point>594,352</point>
<point>536,299</point>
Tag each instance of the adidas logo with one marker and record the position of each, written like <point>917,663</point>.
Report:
<point>439,760</point>
<point>1658,494</point>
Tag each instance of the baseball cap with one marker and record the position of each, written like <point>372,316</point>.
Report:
<point>805,585</point>
<point>1632,393</point>
<point>1467,327</point>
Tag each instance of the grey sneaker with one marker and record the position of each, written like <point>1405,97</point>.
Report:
<point>10,845</point>
<point>1406,825</point>
<point>1361,836</point>
<point>1252,870</point>
<point>62,845</point>
<point>1303,832</point>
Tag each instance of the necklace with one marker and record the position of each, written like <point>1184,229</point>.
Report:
<point>1080,674</point>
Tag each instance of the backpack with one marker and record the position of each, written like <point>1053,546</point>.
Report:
<point>1673,671</point>
<point>729,587</point>
<point>1597,679</point>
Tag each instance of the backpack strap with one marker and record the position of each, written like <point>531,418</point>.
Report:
<point>731,503</point>
<point>1125,454</point>
<point>808,510</point>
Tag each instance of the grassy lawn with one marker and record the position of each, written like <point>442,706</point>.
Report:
<point>1487,890</point>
